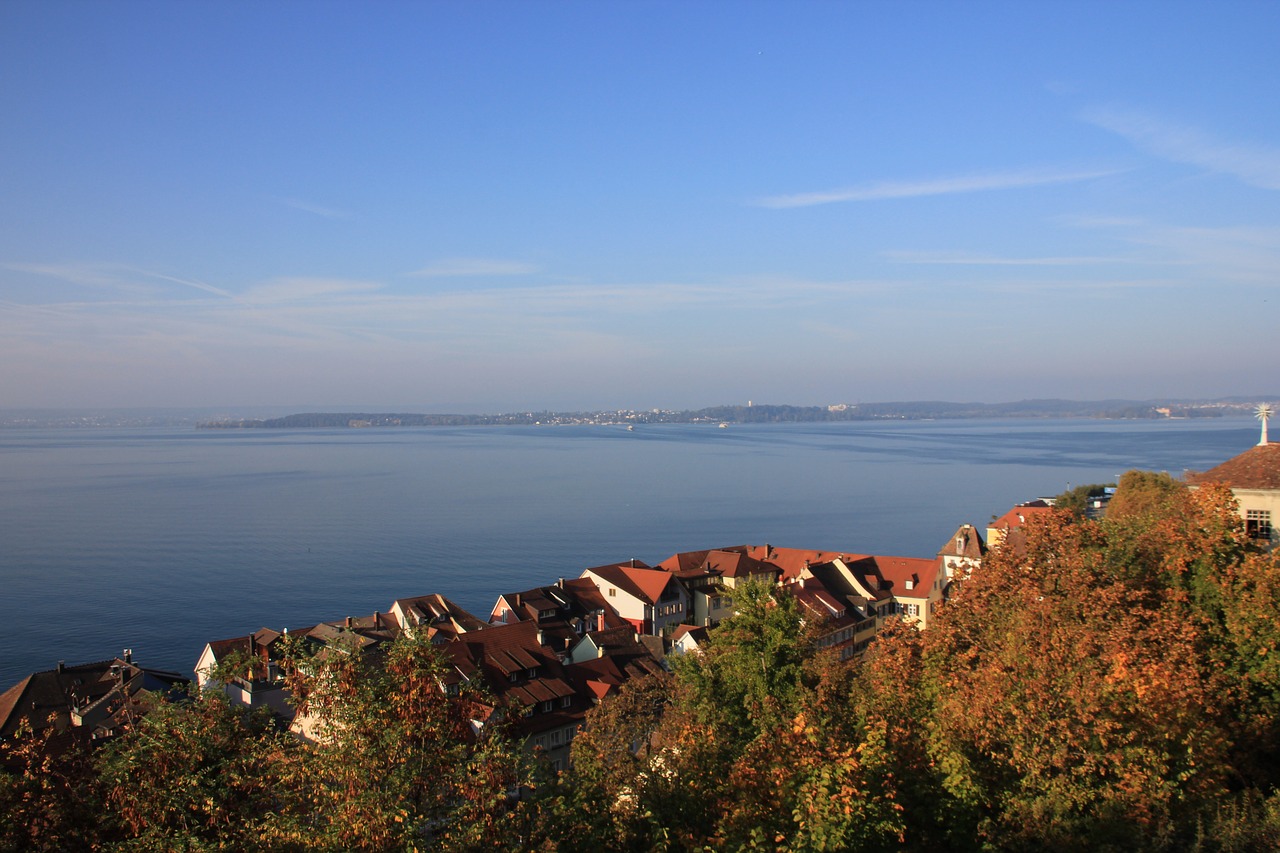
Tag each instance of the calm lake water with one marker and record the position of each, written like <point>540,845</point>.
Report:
<point>161,540</point>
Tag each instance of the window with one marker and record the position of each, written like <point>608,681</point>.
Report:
<point>555,738</point>
<point>566,701</point>
<point>1257,523</point>
<point>613,592</point>
<point>546,706</point>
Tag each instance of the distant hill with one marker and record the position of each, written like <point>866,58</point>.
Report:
<point>922,410</point>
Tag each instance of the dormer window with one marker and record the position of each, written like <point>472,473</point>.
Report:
<point>532,672</point>
<point>546,706</point>
<point>513,677</point>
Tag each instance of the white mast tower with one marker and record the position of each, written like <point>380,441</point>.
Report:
<point>1263,413</point>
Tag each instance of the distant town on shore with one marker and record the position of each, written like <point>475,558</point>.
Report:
<point>751,413</point>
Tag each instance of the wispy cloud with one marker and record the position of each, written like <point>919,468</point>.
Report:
<point>937,186</point>
<point>965,258</point>
<point>457,267</point>
<point>303,289</point>
<point>1256,165</point>
<point>198,285</point>
<point>109,275</point>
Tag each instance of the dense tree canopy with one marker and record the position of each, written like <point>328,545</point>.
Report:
<point>1109,684</point>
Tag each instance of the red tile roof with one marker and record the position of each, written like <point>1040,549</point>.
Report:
<point>899,571</point>
<point>439,612</point>
<point>965,542</point>
<point>645,584</point>
<point>1256,468</point>
<point>791,561</point>
<point>1018,516</point>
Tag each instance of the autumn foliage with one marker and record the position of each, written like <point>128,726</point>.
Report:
<point>1100,685</point>
<point>1109,684</point>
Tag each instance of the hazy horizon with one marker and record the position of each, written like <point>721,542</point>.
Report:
<point>567,205</point>
<point>214,410</point>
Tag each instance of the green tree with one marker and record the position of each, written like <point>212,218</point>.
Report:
<point>633,779</point>
<point>751,676</point>
<point>1146,494</point>
<point>398,764</point>
<point>1078,501</point>
<point>196,775</point>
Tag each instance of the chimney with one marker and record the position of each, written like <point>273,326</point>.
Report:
<point>62,666</point>
<point>599,620</point>
<point>128,655</point>
<point>560,583</point>
<point>348,622</point>
<point>377,620</point>
<point>539,636</point>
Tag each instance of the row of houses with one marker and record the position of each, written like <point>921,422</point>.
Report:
<point>553,652</point>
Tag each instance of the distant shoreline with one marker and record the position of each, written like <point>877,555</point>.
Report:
<point>266,417</point>
<point>753,414</point>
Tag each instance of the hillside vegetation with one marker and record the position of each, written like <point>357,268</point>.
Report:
<point>1112,685</point>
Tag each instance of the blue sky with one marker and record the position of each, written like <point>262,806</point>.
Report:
<point>491,206</point>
